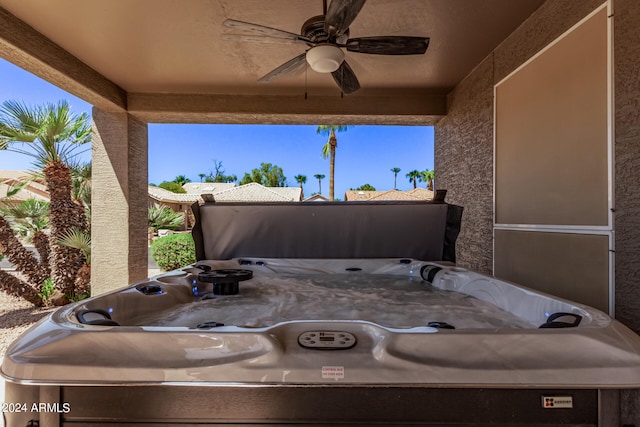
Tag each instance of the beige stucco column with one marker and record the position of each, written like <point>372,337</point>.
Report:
<point>119,201</point>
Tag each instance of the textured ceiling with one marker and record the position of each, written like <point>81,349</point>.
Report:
<point>176,46</point>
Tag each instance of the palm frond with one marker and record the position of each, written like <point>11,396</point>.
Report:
<point>81,182</point>
<point>20,122</point>
<point>326,151</point>
<point>77,239</point>
<point>326,129</point>
<point>27,218</point>
<point>28,208</point>
<point>13,189</point>
<point>48,133</point>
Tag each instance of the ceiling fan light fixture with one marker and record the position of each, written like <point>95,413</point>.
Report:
<point>325,58</point>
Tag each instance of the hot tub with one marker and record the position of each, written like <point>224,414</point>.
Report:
<point>266,339</point>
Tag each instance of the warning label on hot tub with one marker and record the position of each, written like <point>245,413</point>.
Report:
<point>335,372</point>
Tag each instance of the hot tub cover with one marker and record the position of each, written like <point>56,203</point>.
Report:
<point>419,230</point>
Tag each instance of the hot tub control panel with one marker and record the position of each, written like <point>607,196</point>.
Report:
<point>327,340</point>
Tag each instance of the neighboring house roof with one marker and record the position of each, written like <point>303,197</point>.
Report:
<point>166,196</point>
<point>317,198</point>
<point>254,192</point>
<point>292,193</point>
<point>351,195</point>
<point>222,191</point>
<point>33,190</point>
<point>421,193</point>
<point>414,194</point>
<point>207,187</point>
<point>14,174</point>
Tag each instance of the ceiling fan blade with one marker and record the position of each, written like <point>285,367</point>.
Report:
<point>263,39</point>
<point>389,45</point>
<point>262,30</point>
<point>288,67</point>
<point>340,15</point>
<point>346,78</point>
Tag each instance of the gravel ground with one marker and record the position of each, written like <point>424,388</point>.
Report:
<point>16,315</point>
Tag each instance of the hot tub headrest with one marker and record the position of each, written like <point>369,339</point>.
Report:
<point>419,230</point>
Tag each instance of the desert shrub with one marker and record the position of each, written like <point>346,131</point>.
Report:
<point>174,251</point>
<point>164,218</point>
<point>47,290</point>
<point>174,187</point>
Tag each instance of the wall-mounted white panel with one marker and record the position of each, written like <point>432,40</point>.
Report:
<point>551,133</point>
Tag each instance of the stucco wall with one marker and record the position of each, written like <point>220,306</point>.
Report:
<point>463,164</point>
<point>119,152</point>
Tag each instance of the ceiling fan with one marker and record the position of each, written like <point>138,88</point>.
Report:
<point>326,36</point>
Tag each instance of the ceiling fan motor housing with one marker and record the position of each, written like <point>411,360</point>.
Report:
<point>314,30</point>
<point>325,57</point>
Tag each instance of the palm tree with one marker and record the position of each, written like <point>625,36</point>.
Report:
<point>329,150</point>
<point>27,218</point>
<point>81,186</point>
<point>51,135</point>
<point>427,176</point>
<point>26,263</point>
<point>80,183</point>
<point>319,177</point>
<point>395,171</point>
<point>81,240</point>
<point>413,177</point>
<point>301,179</point>
<point>202,175</point>
<point>30,216</point>
<point>181,180</point>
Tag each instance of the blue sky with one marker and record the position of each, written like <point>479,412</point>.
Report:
<point>365,154</point>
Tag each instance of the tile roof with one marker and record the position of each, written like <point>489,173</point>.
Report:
<point>254,192</point>
<point>25,194</point>
<point>166,196</point>
<point>222,191</point>
<point>207,187</point>
<point>33,190</point>
<point>422,193</point>
<point>316,198</point>
<point>14,174</point>
<point>351,195</point>
<point>414,194</point>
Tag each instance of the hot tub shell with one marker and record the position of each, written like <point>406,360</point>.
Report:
<point>263,374</point>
